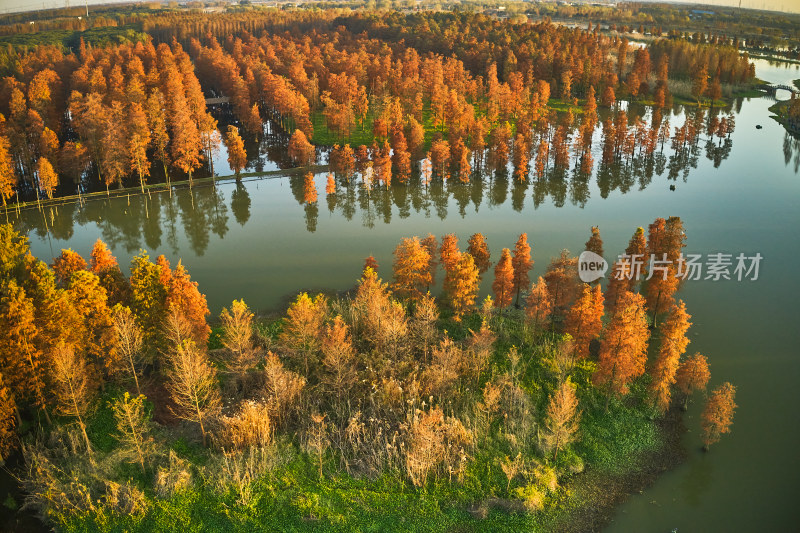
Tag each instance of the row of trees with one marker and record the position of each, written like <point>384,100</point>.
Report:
<point>559,301</point>
<point>122,108</point>
<point>118,109</point>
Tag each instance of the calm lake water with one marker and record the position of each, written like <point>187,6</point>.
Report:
<point>258,241</point>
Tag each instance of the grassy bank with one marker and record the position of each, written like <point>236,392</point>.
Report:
<point>780,113</point>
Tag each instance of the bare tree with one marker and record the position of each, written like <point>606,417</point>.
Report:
<point>177,328</point>
<point>338,358</point>
<point>512,467</point>
<point>562,418</point>
<point>73,392</point>
<point>133,425</point>
<point>237,337</point>
<point>129,342</point>
<point>192,383</point>
<point>282,386</point>
<point>318,438</point>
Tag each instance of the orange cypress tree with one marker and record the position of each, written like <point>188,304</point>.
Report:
<point>503,285</point>
<point>656,236</point>
<point>371,263</point>
<point>102,260</point>
<point>164,272</point>
<point>48,179</point>
<point>66,264</point>
<point>449,252</point>
<point>302,327</point>
<point>636,250</point>
<point>8,176</point>
<point>237,156</point>
<point>440,158</point>
<point>638,244</point>
<point>674,238</point>
<point>8,434</point>
<point>521,156</point>
<point>479,250</point>
<point>105,266</point>
<point>185,141</point>
<point>411,269</point>
<point>462,286</point>
<point>584,320</point>
<point>300,150</point>
<point>717,416</point>
<point>618,283</point>
<point>400,154</point>
<point>665,367</point>
<point>522,264</point>
<point>338,359</point>
<point>22,363</point>
<point>660,291</point>
<point>563,282</point>
<point>431,244</point>
<point>90,301</point>
<point>138,141</point>
<point>159,137</point>
<point>692,375</point>
<point>114,146</point>
<point>595,242</point>
<point>538,305</point>
<point>623,348</point>
<point>184,296</point>
<point>309,189</point>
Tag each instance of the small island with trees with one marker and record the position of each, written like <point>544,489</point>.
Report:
<point>380,407</point>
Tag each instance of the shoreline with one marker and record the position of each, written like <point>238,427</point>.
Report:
<point>602,493</point>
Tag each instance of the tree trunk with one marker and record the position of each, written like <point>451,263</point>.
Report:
<point>135,377</point>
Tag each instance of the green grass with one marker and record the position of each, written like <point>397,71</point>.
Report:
<point>102,36</point>
<point>361,134</point>
<point>610,439</point>
<point>102,427</point>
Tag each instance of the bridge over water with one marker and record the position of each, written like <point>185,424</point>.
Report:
<point>774,88</point>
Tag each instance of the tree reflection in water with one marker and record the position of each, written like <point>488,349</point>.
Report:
<point>616,165</point>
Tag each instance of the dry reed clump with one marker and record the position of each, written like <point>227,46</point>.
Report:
<point>175,477</point>
<point>125,498</point>
<point>436,444</point>
<point>52,490</point>
<point>250,426</point>
<point>60,477</point>
<point>369,446</point>
<point>239,469</point>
